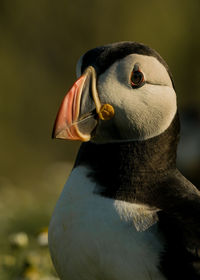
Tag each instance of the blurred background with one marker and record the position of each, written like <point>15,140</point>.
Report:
<point>40,43</point>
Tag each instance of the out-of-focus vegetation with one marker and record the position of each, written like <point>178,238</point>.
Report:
<point>41,42</point>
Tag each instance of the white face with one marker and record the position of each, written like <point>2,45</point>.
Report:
<point>140,113</point>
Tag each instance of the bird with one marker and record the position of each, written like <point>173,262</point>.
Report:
<point>126,211</point>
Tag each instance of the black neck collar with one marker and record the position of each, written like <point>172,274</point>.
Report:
<point>130,166</point>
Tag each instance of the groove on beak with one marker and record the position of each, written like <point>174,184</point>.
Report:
<point>81,109</point>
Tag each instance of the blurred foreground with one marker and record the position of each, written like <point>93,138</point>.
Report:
<point>24,216</point>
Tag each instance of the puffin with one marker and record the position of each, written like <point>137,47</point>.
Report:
<point>126,211</point>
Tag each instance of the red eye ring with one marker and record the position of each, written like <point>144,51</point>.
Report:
<point>137,78</point>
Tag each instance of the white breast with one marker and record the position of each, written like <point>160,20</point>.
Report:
<point>93,238</point>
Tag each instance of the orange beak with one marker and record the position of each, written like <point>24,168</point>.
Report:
<point>65,126</point>
<point>81,109</point>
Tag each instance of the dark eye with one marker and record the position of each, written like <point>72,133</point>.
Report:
<point>137,79</point>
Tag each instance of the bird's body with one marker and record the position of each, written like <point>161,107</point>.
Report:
<point>99,235</point>
<point>126,212</point>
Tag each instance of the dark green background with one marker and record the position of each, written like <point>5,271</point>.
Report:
<point>40,43</point>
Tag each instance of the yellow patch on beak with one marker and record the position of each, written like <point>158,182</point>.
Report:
<point>106,112</point>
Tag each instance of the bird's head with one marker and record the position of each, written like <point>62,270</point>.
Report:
<point>124,91</point>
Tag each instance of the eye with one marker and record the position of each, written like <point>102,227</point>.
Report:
<point>137,78</point>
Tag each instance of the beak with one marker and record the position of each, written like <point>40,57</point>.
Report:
<point>77,117</point>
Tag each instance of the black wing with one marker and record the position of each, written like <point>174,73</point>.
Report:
<point>179,223</point>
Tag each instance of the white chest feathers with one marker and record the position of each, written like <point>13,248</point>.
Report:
<point>96,238</point>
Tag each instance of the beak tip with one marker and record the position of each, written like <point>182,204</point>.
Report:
<point>60,134</point>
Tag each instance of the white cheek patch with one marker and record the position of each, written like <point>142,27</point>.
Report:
<point>144,112</point>
<point>154,72</point>
<point>153,110</point>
